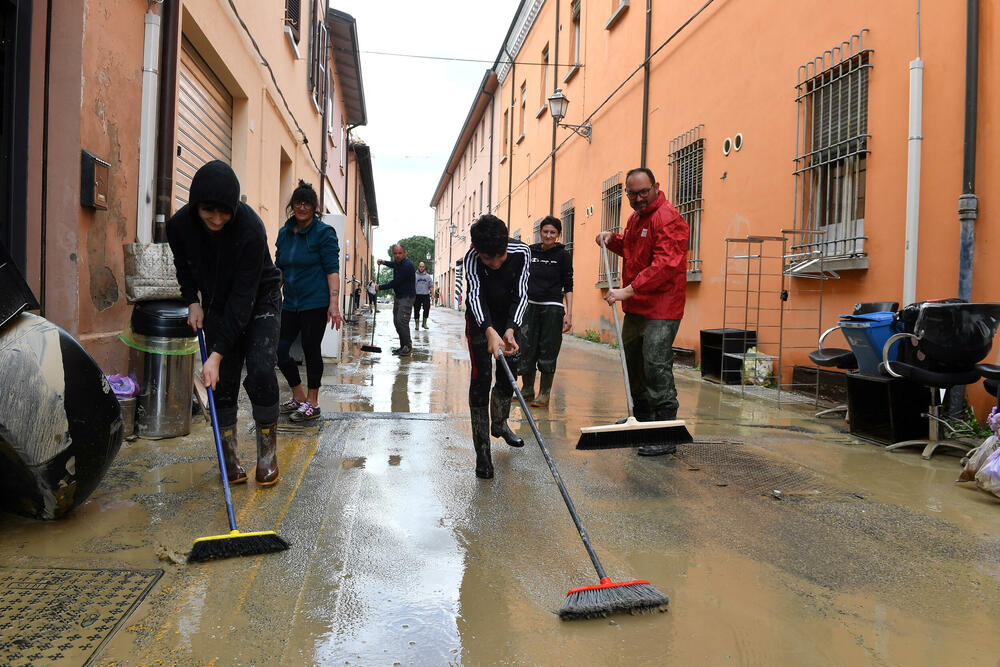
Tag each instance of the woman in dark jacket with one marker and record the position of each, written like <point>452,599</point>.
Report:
<point>550,283</point>
<point>220,252</point>
<point>308,255</point>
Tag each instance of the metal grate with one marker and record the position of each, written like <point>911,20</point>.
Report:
<point>611,221</point>
<point>831,148</point>
<point>685,162</point>
<point>739,466</point>
<point>567,213</point>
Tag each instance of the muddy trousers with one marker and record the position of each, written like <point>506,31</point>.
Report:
<point>483,371</point>
<point>421,301</point>
<point>256,347</point>
<point>312,325</point>
<point>541,338</point>
<point>401,309</point>
<point>649,356</point>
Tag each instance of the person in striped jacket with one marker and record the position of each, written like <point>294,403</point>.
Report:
<point>496,270</point>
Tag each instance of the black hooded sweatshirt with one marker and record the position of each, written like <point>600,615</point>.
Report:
<point>231,268</point>
<point>551,274</point>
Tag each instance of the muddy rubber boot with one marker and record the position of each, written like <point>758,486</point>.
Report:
<point>235,473</point>
<point>544,387</point>
<point>425,323</point>
<point>481,441</point>
<point>499,411</point>
<point>528,386</point>
<point>267,454</point>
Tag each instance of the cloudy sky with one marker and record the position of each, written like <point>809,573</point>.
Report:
<point>416,106</point>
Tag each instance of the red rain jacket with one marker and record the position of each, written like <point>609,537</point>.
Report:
<point>655,247</point>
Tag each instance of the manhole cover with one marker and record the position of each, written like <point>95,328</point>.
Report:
<point>62,615</point>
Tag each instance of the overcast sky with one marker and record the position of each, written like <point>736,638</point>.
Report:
<point>416,107</point>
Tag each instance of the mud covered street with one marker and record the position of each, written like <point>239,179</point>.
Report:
<point>778,537</point>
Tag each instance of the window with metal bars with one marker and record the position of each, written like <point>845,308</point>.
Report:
<point>566,214</point>
<point>293,13</point>
<point>831,160</point>
<point>685,161</point>
<point>611,221</point>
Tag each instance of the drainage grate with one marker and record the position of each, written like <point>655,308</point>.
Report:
<point>740,466</point>
<point>65,616</point>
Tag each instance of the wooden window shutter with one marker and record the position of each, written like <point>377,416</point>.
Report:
<point>293,17</point>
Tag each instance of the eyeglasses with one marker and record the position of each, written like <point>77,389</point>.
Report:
<point>302,204</point>
<point>637,193</point>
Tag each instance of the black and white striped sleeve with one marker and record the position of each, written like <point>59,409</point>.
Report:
<point>474,301</point>
<point>517,250</point>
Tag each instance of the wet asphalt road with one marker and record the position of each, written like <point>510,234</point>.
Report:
<point>400,555</point>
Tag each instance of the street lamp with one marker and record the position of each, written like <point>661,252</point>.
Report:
<point>558,104</point>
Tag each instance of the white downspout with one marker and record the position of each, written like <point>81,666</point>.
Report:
<point>147,129</point>
<point>913,182</point>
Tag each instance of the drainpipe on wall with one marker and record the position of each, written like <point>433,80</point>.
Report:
<point>45,159</point>
<point>913,181</point>
<point>555,77</point>
<point>968,203</point>
<point>147,128</point>
<point>510,141</point>
<point>347,167</point>
<point>165,120</point>
<point>451,234</point>
<point>645,84</point>
<point>489,197</point>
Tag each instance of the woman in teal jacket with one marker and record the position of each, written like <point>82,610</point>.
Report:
<point>308,254</point>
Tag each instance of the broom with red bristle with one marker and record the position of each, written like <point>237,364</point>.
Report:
<point>607,597</point>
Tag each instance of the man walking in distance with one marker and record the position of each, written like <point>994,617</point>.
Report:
<point>654,274</point>
<point>424,281</point>
<point>496,268</point>
<point>402,284</point>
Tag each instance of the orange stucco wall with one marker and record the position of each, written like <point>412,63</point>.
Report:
<point>733,70</point>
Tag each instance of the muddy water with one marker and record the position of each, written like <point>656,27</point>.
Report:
<point>401,556</point>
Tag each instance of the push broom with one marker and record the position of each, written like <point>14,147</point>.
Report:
<point>631,432</point>
<point>607,597</point>
<point>233,543</point>
<point>373,347</point>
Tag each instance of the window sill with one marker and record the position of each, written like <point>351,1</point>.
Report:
<point>617,14</point>
<point>290,37</point>
<point>503,159</point>
<point>519,139</point>
<point>538,114</point>
<point>572,72</point>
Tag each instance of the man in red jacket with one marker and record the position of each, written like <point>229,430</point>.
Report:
<point>654,275</point>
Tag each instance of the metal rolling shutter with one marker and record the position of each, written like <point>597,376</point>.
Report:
<point>204,120</point>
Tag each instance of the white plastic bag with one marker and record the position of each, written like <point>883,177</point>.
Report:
<point>978,459</point>
<point>988,477</point>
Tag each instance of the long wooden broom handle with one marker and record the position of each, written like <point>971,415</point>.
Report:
<point>618,335</point>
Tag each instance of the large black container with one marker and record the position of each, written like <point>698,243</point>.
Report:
<point>716,344</point>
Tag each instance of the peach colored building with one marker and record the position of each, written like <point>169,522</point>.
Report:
<point>362,218</point>
<point>757,120</point>
<point>465,191</point>
<point>274,88</point>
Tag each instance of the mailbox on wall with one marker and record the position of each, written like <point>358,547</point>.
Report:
<point>95,175</point>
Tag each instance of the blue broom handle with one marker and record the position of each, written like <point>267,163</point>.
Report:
<point>218,437</point>
<point>552,467</point>
<point>618,335</point>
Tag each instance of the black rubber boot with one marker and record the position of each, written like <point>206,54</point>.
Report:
<point>528,386</point>
<point>267,454</point>
<point>481,441</point>
<point>235,473</point>
<point>544,387</point>
<point>499,411</point>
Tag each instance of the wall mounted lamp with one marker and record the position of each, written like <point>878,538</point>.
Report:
<point>558,103</point>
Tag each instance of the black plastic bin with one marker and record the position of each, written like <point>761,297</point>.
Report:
<point>715,344</point>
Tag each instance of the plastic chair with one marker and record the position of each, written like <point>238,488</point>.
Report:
<point>835,357</point>
<point>948,340</point>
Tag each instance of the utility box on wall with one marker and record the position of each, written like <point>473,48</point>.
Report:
<point>95,176</point>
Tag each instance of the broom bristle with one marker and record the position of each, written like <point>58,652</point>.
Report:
<point>633,597</point>
<point>370,348</point>
<point>236,544</point>
<point>672,435</point>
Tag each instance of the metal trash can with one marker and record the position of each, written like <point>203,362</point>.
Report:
<point>162,362</point>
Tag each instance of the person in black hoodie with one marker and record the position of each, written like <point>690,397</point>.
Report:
<point>546,319</point>
<point>231,287</point>
<point>496,268</point>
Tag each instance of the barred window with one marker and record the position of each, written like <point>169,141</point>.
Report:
<point>831,149</point>
<point>686,161</point>
<point>566,214</point>
<point>611,221</point>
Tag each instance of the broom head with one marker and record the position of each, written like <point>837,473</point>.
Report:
<point>235,543</point>
<point>633,433</point>
<point>608,597</point>
<point>371,348</point>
